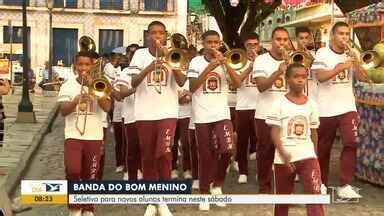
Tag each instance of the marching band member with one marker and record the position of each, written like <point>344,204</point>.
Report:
<point>181,133</point>
<point>294,120</point>
<point>304,38</point>
<point>82,149</point>
<point>245,108</point>
<point>156,108</point>
<point>208,84</point>
<point>334,70</point>
<point>268,71</point>
<point>132,148</point>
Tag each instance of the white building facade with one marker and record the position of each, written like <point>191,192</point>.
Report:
<point>111,23</point>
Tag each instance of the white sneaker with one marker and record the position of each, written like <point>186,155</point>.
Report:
<point>347,192</point>
<point>187,174</point>
<point>125,176</point>
<point>139,175</point>
<point>204,206</point>
<point>235,166</point>
<point>119,169</point>
<point>174,174</point>
<point>297,178</point>
<point>252,156</point>
<point>195,185</point>
<point>88,213</point>
<point>323,189</point>
<point>150,211</point>
<point>242,179</point>
<point>164,210</point>
<point>74,212</point>
<point>218,191</point>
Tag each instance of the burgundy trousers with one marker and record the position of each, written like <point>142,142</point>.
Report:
<point>81,161</point>
<point>309,173</point>
<point>182,135</point>
<point>347,124</point>
<point>265,155</point>
<point>215,146</point>
<point>132,156</point>
<point>194,155</point>
<point>120,146</point>
<point>246,137</point>
<point>156,138</point>
<point>100,172</point>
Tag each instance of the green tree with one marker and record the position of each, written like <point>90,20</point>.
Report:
<point>235,22</point>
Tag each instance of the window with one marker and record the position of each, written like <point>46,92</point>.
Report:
<point>64,45</point>
<point>17,34</point>
<point>110,39</point>
<point>111,4</point>
<point>68,3</point>
<point>14,2</point>
<point>155,5</point>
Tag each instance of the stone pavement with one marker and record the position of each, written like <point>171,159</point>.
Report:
<point>22,139</point>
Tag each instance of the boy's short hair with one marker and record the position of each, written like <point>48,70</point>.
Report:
<point>279,28</point>
<point>85,54</point>
<point>154,23</point>
<point>337,25</point>
<point>291,67</point>
<point>209,33</point>
<point>250,36</point>
<point>302,29</point>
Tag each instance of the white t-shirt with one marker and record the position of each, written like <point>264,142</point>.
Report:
<point>128,108</point>
<point>117,105</point>
<point>232,92</point>
<point>264,66</point>
<point>247,93</point>
<point>335,96</point>
<point>295,122</point>
<point>185,110</point>
<point>210,101</point>
<point>94,117</point>
<point>149,104</point>
<point>110,71</point>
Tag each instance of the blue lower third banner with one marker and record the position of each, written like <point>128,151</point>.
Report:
<point>130,187</point>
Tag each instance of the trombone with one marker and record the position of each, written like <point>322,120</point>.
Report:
<point>367,60</point>
<point>236,59</point>
<point>175,56</point>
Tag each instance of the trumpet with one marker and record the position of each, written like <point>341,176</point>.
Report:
<point>302,57</point>
<point>236,59</point>
<point>367,60</point>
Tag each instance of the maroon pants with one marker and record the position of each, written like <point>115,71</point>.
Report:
<point>347,124</point>
<point>232,111</point>
<point>120,146</point>
<point>215,146</point>
<point>155,139</point>
<point>132,159</point>
<point>81,161</point>
<point>182,135</point>
<point>309,173</point>
<point>194,156</point>
<point>100,172</point>
<point>246,136</point>
<point>265,155</point>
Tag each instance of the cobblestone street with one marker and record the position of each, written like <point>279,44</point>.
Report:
<point>48,164</point>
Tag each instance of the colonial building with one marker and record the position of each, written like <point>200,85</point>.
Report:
<point>111,23</point>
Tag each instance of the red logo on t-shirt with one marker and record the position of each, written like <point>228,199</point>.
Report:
<point>297,127</point>
<point>159,76</point>
<point>342,77</point>
<point>212,83</point>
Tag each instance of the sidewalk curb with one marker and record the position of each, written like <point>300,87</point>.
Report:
<point>16,174</point>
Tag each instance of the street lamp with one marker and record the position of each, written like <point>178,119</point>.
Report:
<point>50,71</point>
<point>25,112</point>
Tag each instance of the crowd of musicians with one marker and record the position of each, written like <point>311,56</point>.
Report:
<point>287,113</point>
